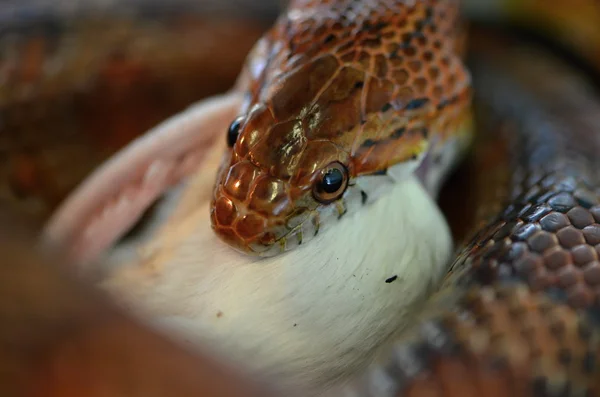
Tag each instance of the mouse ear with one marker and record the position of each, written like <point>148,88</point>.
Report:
<point>115,196</point>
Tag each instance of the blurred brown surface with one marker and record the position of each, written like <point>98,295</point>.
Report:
<point>572,23</point>
<point>59,337</point>
<point>73,91</point>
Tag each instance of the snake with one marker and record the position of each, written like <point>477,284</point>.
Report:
<point>324,116</point>
<point>342,101</point>
<point>339,93</point>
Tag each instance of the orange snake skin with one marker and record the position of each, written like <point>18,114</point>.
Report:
<point>346,97</point>
<point>363,87</point>
<point>338,89</point>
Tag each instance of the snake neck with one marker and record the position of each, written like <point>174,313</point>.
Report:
<point>445,155</point>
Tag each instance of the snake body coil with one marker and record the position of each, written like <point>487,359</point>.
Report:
<point>518,312</point>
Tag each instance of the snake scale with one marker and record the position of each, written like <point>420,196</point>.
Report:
<point>390,95</point>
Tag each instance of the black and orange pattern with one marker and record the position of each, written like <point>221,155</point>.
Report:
<point>518,314</point>
<point>368,84</point>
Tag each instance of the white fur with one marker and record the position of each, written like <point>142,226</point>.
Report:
<point>309,317</point>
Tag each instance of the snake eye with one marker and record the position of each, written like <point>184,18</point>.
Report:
<point>331,184</point>
<point>234,131</point>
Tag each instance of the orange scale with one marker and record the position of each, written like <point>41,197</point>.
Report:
<point>342,85</point>
<point>405,149</point>
<point>389,34</point>
<point>415,65</point>
<point>373,130</point>
<point>250,225</point>
<point>421,85</point>
<point>381,66</point>
<point>368,160</point>
<point>280,149</point>
<point>434,73</point>
<point>364,60</point>
<point>225,211</point>
<point>301,87</point>
<point>400,76</point>
<point>338,119</point>
<point>239,178</point>
<point>259,120</point>
<point>269,196</point>
<point>378,95</point>
<point>348,57</point>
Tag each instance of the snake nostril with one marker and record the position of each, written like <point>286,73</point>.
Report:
<point>239,179</point>
<point>268,239</point>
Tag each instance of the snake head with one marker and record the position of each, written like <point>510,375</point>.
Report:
<point>339,106</point>
<point>275,184</point>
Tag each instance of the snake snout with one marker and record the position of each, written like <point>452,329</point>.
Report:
<point>240,231</point>
<point>253,211</point>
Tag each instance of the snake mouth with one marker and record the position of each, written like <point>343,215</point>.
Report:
<point>258,233</point>
<point>298,229</point>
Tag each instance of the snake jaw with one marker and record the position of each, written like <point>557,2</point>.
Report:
<point>292,238</point>
<point>264,228</point>
<point>258,214</point>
